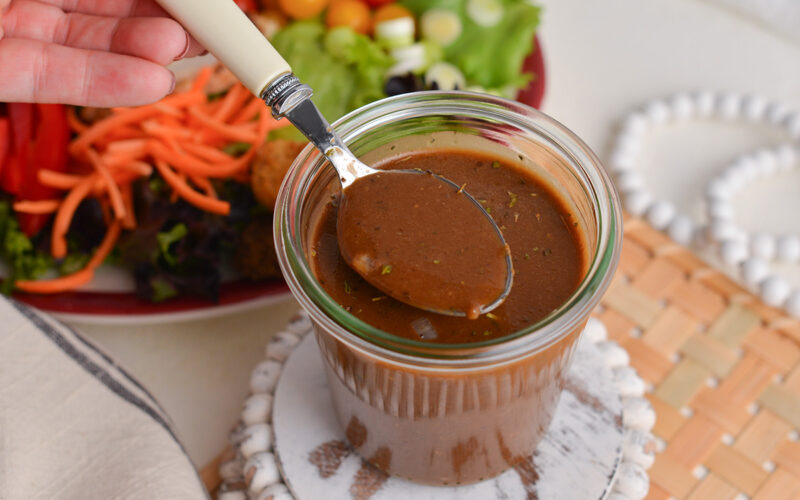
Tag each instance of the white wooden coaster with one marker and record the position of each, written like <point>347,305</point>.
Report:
<point>290,445</point>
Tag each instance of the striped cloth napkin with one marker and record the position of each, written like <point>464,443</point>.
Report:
<point>74,425</point>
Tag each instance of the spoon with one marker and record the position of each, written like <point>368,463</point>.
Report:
<point>430,245</point>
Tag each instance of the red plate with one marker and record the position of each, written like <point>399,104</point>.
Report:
<point>124,307</point>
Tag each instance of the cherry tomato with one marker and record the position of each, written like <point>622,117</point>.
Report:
<point>378,3</point>
<point>392,11</point>
<point>302,9</point>
<point>247,5</point>
<point>352,13</point>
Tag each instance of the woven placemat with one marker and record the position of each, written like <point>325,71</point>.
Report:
<point>723,372</point>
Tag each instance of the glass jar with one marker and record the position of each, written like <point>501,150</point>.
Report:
<point>449,413</point>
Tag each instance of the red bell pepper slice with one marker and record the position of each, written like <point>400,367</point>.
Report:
<point>247,5</point>
<point>5,142</point>
<point>48,152</point>
<point>21,120</point>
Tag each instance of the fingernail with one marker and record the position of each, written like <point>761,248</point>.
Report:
<point>185,47</point>
<point>172,86</point>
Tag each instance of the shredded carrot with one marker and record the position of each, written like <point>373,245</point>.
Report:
<point>241,133</point>
<point>192,165</point>
<point>113,189</point>
<point>37,207</point>
<point>180,138</point>
<point>80,278</point>
<point>129,116</point>
<point>138,167</point>
<point>205,185</point>
<point>105,246</point>
<point>232,102</point>
<point>202,79</point>
<point>127,147</point>
<point>64,215</point>
<point>206,152</point>
<point>75,123</point>
<point>199,200</point>
<point>122,160</point>
<point>108,217</point>
<point>153,127</point>
<point>173,197</point>
<point>56,285</point>
<point>58,180</point>
<point>253,108</point>
<point>129,221</point>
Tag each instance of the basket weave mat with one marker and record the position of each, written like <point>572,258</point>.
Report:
<point>723,373</point>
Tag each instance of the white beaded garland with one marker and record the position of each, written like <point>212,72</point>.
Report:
<point>635,124</point>
<point>762,245</point>
<point>632,481</point>
<point>637,202</point>
<point>660,214</point>
<point>735,246</point>
<point>657,113</point>
<point>265,376</point>
<point>793,303</point>
<point>704,103</point>
<point>733,252</point>
<point>636,449</point>
<point>722,229</point>
<point>786,155</point>
<point>628,382</point>
<point>260,471</point>
<point>257,438</point>
<point>638,413</point>
<point>720,209</point>
<point>682,229</point>
<point>682,106</point>
<point>754,270</point>
<point>257,409</point>
<point>754,107</point>
<point>788,248</point>
<point>232,495</point>
<point>775,290</point>
<point>793,124</point>
<point>630,181</point>
<point>275,492</point>
<point>730,106</point>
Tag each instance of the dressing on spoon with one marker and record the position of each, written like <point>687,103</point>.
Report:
<point>415,213</point>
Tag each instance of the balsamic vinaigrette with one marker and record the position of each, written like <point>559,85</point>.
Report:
<point>546,245</point>
<point>404,233</point>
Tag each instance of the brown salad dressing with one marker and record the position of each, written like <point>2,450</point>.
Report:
<point>542,234</point>
<point>440,426</point>
<point>422,241</point>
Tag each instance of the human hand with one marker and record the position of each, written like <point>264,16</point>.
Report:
<point>100,53</point>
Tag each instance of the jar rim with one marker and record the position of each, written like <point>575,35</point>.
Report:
<point>359,334</point>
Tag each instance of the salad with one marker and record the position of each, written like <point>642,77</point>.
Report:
<point>182,190</point>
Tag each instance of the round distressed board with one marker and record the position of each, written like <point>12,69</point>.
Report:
<point>598,445</point>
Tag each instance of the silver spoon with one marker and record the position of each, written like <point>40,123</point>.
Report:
<point>228,34</point>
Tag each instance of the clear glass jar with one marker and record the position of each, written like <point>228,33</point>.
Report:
<point>449,413</point>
